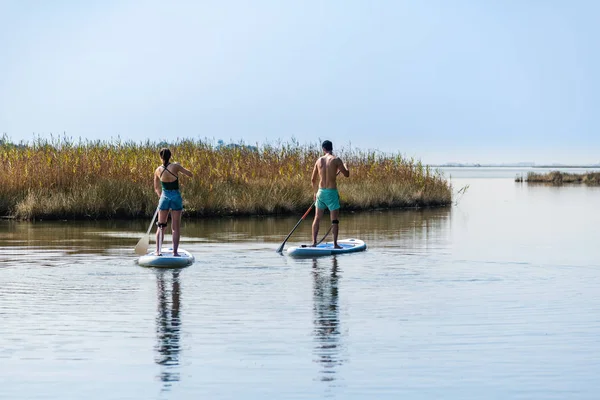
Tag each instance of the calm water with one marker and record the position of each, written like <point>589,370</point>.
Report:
<point>497,297</point>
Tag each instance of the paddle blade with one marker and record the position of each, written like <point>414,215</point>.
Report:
<point>280,248</point>
<point>141,248</point>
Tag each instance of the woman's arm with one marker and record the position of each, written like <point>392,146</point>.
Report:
<point>157,188</point>
<point>183,170</point>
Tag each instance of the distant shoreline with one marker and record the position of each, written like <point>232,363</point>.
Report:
<point>558,178</point>
<point>594,166</point>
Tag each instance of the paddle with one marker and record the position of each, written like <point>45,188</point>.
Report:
<point>141,248</point>
<point>280,248</point>
<point>324,236</point>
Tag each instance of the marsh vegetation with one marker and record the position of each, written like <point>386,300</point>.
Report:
<point>559,178</point>
<point>62,179</point>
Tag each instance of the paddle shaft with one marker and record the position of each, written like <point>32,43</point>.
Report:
<point>152,222</point>
<point>324,236</point>
<point>280,249</point>
<point>141,247</point>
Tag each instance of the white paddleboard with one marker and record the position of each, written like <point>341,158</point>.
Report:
<point>326,249</point>
<point>166,259</point>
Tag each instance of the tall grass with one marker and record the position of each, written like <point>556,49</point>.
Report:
<point>559,178</point>
<point>60,179</point>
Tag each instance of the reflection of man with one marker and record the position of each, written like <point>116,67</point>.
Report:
<point>326,319</point>
<point>325,189</point>
<point>168,325</point>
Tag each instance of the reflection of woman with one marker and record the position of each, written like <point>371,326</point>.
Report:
<point>166,185</point>
<point>327,321</point>
<point>168,325</point>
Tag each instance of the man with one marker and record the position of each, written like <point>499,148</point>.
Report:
<point>325,188</point>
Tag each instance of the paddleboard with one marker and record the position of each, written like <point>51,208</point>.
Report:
<point>166,259</point>
<point>326,249</point>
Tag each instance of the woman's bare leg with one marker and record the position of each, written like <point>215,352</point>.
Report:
<point>175,226</point>
<point>160,232</point>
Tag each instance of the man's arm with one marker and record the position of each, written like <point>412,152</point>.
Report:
<point>315,180</point>
<point>343,168</point>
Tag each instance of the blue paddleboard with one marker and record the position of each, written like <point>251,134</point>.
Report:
<point>166,259</point>
<point>326,249</point>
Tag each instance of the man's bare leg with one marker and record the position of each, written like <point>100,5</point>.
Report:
<point>335,228</point>
<point>315,226</point>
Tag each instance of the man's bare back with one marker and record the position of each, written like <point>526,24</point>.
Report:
<point>326,170</point>
<point>328,166</point>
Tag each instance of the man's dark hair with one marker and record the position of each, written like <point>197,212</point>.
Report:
<point>327,145</point>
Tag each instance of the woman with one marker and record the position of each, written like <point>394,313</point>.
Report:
<point>166,185</point>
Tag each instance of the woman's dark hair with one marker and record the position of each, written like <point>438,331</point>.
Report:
<point>165,155</point>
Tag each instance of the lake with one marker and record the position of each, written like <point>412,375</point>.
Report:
<point>496,297</point>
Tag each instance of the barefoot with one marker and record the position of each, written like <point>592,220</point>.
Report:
<point>337,246</point>
<point>313,245</point>
<point>176,255</point>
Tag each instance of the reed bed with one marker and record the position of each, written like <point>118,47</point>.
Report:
<point>62,179</point>
<point>559,178</point>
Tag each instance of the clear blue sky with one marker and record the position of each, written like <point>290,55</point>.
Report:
<point>466,81</point>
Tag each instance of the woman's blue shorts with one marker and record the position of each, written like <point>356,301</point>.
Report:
<point>170,200</point>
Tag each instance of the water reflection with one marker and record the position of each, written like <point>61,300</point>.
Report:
<point>100,237</point>
<point>367,224</point>
<point>326,318</point>
<point>73,237</point>
<point>168,325</point>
